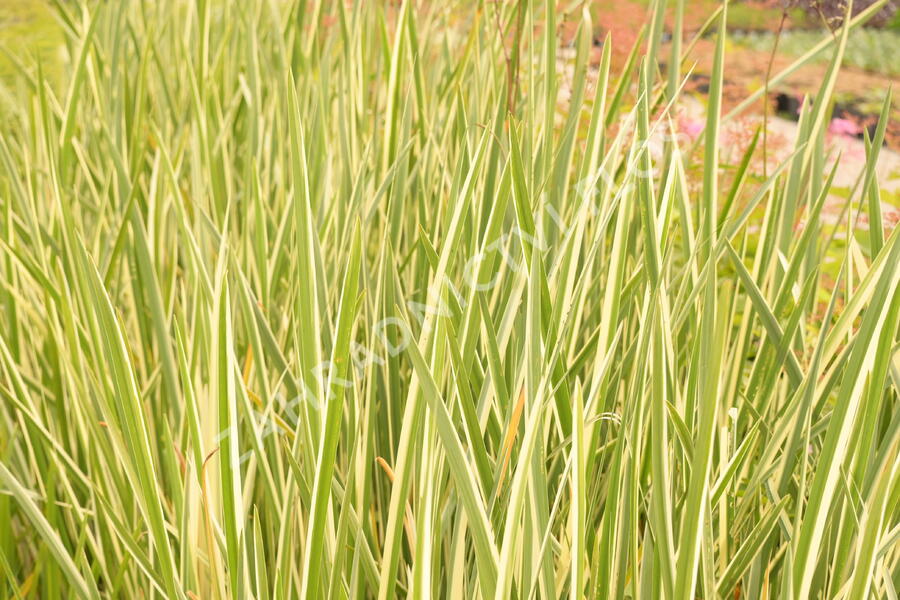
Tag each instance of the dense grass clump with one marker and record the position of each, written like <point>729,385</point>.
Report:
<point>362,299</point>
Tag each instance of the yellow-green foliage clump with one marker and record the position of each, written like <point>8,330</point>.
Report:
<point>326,299</point>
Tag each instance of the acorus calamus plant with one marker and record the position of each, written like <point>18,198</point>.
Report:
<point>336,300</point>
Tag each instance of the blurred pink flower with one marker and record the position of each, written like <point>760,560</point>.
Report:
<point>843,127</point>
<point>691,127</point>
